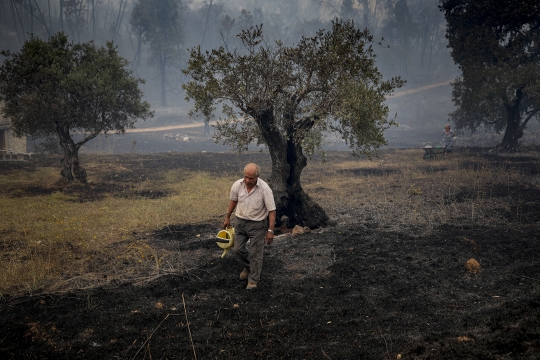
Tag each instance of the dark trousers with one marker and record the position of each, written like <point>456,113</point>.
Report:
<point>251,258</point>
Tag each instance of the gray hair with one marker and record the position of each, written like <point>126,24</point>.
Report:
<point>257,168</point>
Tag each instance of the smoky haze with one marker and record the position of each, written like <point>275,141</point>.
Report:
<point>414,47</point>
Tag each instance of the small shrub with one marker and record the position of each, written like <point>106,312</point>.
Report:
<point>415,190</point>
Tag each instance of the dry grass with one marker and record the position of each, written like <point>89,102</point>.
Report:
<point>54,242</point>
<point>400,189</point>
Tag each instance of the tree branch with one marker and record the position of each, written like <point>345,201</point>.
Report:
<point>530,115</point>
<point>306,123</point>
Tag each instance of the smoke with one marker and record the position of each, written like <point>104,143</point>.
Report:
<point>414,46</point>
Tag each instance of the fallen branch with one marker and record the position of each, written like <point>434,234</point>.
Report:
<point>387,353</point>
<point>328,357</point>
<point>151,335</point>
<point>187,321</point>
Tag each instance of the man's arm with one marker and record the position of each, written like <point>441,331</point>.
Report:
<point>271,222</point>
<point>230,209</point>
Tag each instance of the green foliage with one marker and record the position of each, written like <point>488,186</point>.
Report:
<point>363,117</point>
<point>267,89</point>
<point>490,32</point>
<point>497,46</point>
<point>59,88</point>
<point>159,21</point>
<point>483,95</point>
<point>57,85</point>
<point>48,146</point>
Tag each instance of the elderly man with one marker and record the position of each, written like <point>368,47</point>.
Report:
<point>255,218</point>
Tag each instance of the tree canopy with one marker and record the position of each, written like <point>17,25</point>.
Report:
<point>57,87</point>
<point>497,46</point>
<point>289,97</point>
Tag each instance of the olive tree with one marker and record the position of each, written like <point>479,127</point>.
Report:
<point>496,45</point>
<point>289,97</point>
<point>59,88</point>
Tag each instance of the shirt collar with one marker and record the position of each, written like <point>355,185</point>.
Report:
<point>257,184</point>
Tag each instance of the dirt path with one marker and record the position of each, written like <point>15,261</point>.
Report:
<point>423,88</point>
<point>168,128</point>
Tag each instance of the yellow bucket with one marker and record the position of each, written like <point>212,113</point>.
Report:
<point>225,239</point>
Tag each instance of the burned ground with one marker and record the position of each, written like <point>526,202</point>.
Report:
<point>368,288</point>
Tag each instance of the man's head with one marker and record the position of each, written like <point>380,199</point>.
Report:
<point>447,127</point>
<point>251,174</point>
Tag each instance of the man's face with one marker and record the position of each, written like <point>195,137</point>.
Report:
<point>250,178</point>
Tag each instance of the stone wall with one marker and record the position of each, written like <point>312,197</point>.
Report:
<point>15,143</point>
<point>9,141</point>
<point>3,122</point>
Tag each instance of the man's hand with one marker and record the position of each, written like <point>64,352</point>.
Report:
<point>271,222</point>
<point>227,223</point>
<point>269,238</point>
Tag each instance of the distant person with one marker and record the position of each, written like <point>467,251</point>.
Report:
<point>448,138</point>
<point>255,218</point>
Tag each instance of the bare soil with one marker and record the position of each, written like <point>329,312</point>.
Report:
<point>364,289</point>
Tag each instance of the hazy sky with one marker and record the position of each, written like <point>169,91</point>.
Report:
<point>268,6</point>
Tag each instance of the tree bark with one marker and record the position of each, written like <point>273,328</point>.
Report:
<point>288,161</point>
<point>71,168</point>
<point>206,23</point>
<point>513,131</point>
<point>137,58</point>
<point>162,65</point>
<point>62,15</point>
<point>31,16</point>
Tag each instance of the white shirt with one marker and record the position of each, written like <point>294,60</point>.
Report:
<point>254,205</point>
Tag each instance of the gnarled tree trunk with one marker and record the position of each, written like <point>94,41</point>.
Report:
<point>288,161</point>
<point>514,130</point>
<point>71,168</point>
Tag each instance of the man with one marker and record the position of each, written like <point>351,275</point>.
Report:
<point>255,219</point>
<point>448,139</point>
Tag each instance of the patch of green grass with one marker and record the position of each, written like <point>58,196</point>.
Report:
<point>55,237</point>
<point>59,196</point>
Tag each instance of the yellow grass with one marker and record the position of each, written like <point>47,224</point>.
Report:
<point>47,238</point>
